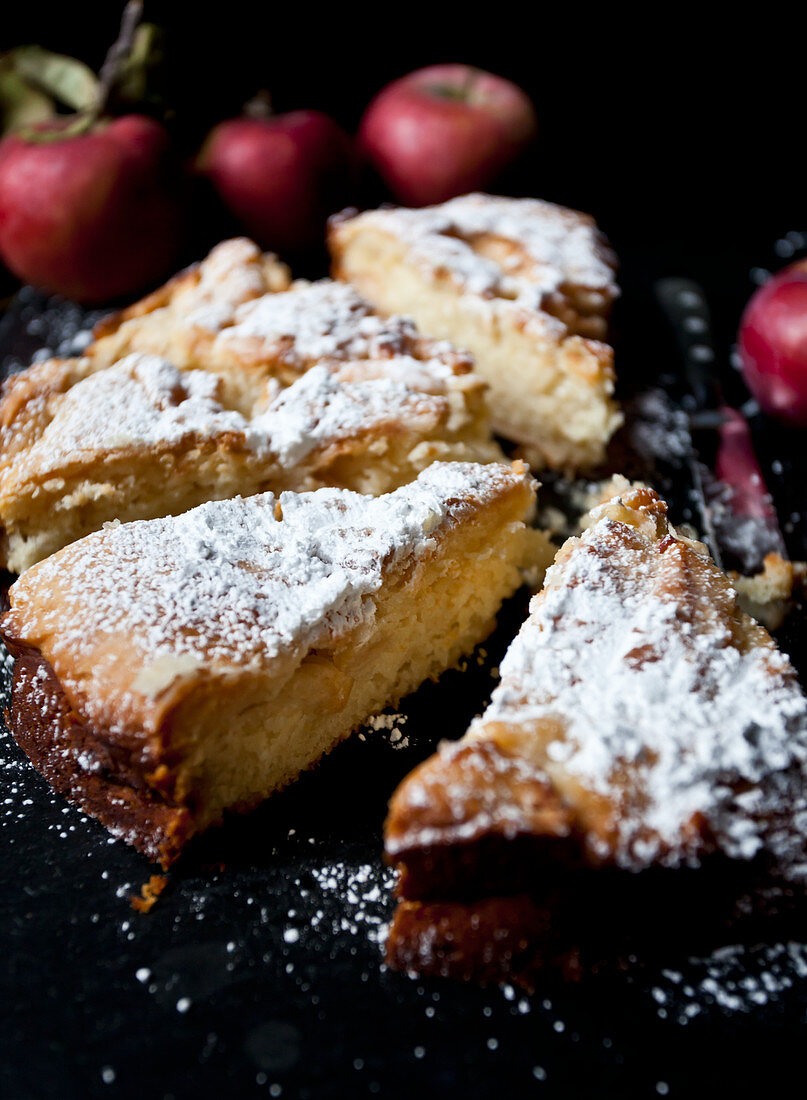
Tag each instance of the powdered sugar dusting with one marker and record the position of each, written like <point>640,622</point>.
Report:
<point>320,320</point>
<point>231,275</point>
<point>557,248</point>
<point>143,401</point>
<point>669,701</point>
<point>140,401</point>
<point>229,583</point>
<point>319,409</point>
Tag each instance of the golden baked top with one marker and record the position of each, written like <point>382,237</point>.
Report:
<point>143,403</point>
<point>325,320</point>
<point>534,255</point>
<point>383,373</point>
<point>226,314</point>
<point>129,614</point>
<point>203,297</point>
<point>640,695</point>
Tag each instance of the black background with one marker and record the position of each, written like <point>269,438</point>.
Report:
<point>682,130</point>
<point>685,138</point>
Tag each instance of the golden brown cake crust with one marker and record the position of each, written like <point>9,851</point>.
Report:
<point>495,940</point>
<point>475,819</point>
<point>107,775</point>
<point>191,307</point>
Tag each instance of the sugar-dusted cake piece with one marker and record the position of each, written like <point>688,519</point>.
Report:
<point>643,758</point>
<point>179,322</point>
<point>525,286</point>
<point>173,669</point>
<point>181,319</point>
<point>307,387</point>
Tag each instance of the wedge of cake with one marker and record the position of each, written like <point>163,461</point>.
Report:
<point>317,390</point>
<point>182,318</point>
<point>140,440</point>
<point>179,322</point>
<point>642,763</point>
<point>230,321</point>
<point>525,286</point>
<point>173,669</point>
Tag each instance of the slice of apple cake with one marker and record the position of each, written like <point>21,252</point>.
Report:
<point>173,669</point>
<point>642,763</point>
<point>306,387</point>
<point>525,286</point>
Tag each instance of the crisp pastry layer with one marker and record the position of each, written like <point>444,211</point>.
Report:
<point>170,670</point>
<point>525,286</point>
<point>300,388</point>
<point>644,726</point>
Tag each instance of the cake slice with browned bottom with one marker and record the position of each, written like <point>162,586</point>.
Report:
<point>172,669</point>
<point>526,286</point>
<point>643,759</point>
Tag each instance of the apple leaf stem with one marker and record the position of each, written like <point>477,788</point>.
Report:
<point>118,54</point>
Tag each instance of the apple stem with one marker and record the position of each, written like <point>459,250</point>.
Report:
<point>260,106</point>
<point>469,81</point>
<point>461,91</point>
<point>117,54</point>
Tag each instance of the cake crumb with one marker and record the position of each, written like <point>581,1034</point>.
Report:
<point>149,892</point>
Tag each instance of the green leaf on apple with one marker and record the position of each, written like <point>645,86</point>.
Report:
<point>66,80</point>
<point>20,104</point>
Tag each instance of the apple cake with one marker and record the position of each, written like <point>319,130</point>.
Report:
<point>169,670</point>
<point>317,390</point>
<point>525,286</point>
<point>642,760</point>
<point>181,320</point>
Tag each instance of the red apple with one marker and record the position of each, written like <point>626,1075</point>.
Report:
<point>280,176</point>
<point>773,344</point>
<point>94,215</point>
<point>445,130</point>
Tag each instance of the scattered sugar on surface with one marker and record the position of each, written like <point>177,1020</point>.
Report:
<point>734,979</point>
<point>363,895</point>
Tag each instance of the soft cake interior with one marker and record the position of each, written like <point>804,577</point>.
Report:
<point>244,739</point>
<point>552,396</point>
<point>44,515</point>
